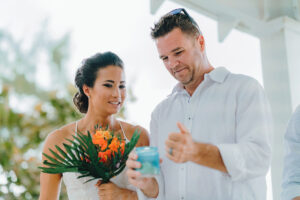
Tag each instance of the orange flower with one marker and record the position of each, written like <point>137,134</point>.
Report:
<point>106,135</point>
<point>108,153</point>
<point>122,147</point>
<point>114,145</point>
<point>99,139</point>
<point>104,155</point>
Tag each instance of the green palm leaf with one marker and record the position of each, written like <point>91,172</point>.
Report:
<point>81,156</point>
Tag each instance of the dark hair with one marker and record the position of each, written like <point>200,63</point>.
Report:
<point>169,22</point>
<point>87,74</point>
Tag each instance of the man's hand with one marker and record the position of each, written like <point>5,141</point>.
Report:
<point>180,147</point>
<point>148,186</point>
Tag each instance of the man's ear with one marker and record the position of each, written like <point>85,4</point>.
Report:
<point>86,90</point>
<point>201,41</point>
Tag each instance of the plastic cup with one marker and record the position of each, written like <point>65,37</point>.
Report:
<point>149,158</point>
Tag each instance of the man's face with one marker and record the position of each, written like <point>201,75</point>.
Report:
<point>181,54</point>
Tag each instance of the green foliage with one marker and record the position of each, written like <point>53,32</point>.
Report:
<point>81,156</point>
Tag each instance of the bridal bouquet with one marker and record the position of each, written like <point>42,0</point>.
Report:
<point>101,156</point>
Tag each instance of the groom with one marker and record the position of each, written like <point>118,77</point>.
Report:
<point>213,131</point>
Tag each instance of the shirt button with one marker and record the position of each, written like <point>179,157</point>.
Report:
<point>189,118</point>
<point>181,197</point>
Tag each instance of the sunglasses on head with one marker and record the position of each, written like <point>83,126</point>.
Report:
<point>182,10</point>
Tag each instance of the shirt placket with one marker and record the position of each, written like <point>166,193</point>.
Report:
<point>188,122</point>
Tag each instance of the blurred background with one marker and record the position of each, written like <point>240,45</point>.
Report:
<point>42,43</point>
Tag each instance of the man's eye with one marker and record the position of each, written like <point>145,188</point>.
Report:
<point>165,58</point>
<point>178,52</point>
<point>107,85</point>
<point>122,86</point>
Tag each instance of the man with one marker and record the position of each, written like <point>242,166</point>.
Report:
<point>213,131</point>
<point>291,172</point>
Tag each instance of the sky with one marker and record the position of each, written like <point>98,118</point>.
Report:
<point>123,27</point>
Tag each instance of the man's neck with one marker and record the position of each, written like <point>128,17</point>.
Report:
<point>190,88</point>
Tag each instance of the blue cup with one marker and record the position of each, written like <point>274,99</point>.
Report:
<point>149,158</point>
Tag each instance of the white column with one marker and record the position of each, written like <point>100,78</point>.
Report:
<point>280,54</point>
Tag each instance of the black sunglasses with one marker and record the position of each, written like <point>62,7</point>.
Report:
<point>180,10</point>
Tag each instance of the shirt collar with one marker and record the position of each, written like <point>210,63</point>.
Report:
<point>219,75</point>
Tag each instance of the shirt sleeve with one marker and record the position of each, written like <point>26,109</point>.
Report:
<point>154,142</point>
<point>250,156</point>
<point>291,171</point>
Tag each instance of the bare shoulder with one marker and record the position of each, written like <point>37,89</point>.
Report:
<point>144,137</point>
<point>58,137</point>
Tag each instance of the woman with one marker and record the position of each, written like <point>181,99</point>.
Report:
<point>101,84</point>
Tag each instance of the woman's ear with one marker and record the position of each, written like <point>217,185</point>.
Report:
<point>86,90</point>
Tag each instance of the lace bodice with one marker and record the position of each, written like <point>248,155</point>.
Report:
<point>78,190</point>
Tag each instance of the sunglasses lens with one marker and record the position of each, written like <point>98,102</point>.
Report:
<point>176,11</point>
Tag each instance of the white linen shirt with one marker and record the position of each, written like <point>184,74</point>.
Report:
<point>291,171</point>
<point>230,111</point>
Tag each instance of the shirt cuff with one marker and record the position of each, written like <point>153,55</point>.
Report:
<point>233,160</point>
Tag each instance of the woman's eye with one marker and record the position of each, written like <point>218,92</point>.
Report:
<point>107,85</point>
<point>122,86</point>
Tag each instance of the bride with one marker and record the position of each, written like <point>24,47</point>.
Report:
<point>101,84</point>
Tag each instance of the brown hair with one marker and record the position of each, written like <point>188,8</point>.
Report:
<point>87,75</point>
<point>169,22</point>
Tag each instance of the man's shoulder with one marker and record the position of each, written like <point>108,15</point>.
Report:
<point>242,78</point>
<point>165,103</point>
<point>243,82</point>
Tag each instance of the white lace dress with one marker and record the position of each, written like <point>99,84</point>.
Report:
<point>78,190</point>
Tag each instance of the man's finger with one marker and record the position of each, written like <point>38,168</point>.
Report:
<point>171,144</point>
<point>182,128</point>
<point>133,155</point>
<point>175,137</point>
<point>133,164</point>
<point>133,174</point>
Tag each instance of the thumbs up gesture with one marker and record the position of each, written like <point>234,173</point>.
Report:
<point>180,147</point>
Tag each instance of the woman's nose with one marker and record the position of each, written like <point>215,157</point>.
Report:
<point>117,92</point>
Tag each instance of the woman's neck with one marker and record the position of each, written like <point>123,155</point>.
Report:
<point>89,121</point>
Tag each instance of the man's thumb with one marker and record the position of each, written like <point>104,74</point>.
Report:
<point>182,128</point>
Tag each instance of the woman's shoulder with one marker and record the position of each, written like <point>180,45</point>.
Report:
<point>130,129</point>
<point>59,136</point>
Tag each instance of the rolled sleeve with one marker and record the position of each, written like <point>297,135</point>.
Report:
<point>250,156</point>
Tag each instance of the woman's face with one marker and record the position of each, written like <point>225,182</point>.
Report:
<point>109,91</point>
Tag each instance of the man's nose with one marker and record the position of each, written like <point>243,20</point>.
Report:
<point>173,62</point>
